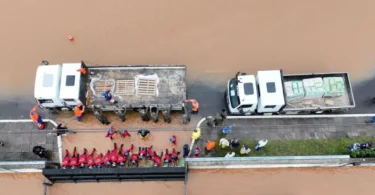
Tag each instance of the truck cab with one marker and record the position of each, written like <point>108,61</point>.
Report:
<point>271,91</point>
<point>242,95</point>
<point>72,87</point>
<point>47,86</point>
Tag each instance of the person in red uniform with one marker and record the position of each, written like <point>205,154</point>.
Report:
<point>66,160</point>
<point>79,111</point>
<point>74,160</point>
<point>107,159</point>
<point>114,155</point>
<point>121,159</point>
<point>111,132</point>
<point>36,118</point>
<point>174,157</point>
<point>157,159</point>
<point>127,151</point>
<point>124,133</point>
<point>134,160</point>
<point>173,140</point>
<point>142,152</point>
<point>167,157</point>
<point>90,159</point>
<point>149,153</point>
<point>83,158</point>
<point>99,160</point>
<point>196,152</point>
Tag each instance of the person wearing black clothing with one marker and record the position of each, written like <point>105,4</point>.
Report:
<point>39,151</point>
<point>143,133</point>
<point>234,143</point>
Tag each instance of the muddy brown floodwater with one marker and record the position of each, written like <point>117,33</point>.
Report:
<point>285,181</point>
<point>213,36</point>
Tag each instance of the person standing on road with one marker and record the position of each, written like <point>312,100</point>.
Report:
<point>111,132</point>
<point>79,111</point>
<point>223,143</point>
<point>143,133</point>
<point>261,144</point>
<point>196,133</point>
<point>245,149</point>
<point>124,133</point>
<point>195,105</point>
<point>173,140</point>
<point>36,118</point>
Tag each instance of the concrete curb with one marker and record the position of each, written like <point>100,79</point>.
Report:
<point>59,145</point>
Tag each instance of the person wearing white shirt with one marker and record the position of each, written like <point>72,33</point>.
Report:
<point>261,144</point>
<point>223,143</point>
<point>230,154</point>
<point>245,149</point>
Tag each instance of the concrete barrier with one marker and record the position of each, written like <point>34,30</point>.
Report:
<point>268,162</point>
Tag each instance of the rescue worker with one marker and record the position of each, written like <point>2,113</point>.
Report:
<point>79,111</point>
<point>234,143</point>
<point>127,152</point>
<point>149,153</point>
<point>99,161</point>
<point>223,143</point>
<point>39,151</point>
<point>66,160</point>
<point>210,145</point>
<point>82,70</point>
<point>174,157</point>
<point>245,150</point>
<point>157,159</point>
<point>195,105</point>
<point>121,159</point>
<point>108,97</point>
<point>173,140</point>
<point>74,159</point>
<point>133,160</point>
<point>114,155</point>
<point>111,132</point>
<point>141,152</point>
<point>83,158</point>
<point>196,152</point>
<point>261,144</point>
<point>196,133</point>
<point>143,133</point>
<point>107,159</point>
<point>186,150</point>
<point>230,154</point>
<point>99,115</point>
<point>167,157</point>
<point>124,133</point>
<point>36,118</point>
<point>90,159</point>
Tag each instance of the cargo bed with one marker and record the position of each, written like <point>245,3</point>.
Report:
<point>344,101</point>
<point>136,85</point>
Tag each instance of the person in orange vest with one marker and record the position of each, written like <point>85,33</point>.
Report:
<point>195,105</point>
<point>210,145</point>
<point>79,111</point>
<point>36,118</point>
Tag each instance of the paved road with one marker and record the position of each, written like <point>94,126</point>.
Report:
<point>208,90</point>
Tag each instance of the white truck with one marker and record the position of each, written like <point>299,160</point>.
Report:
<point>145,88</point>
<point>272,92</point>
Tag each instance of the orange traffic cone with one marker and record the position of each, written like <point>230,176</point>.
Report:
<point>70,38</point>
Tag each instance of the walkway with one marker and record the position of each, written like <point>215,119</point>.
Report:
<point>19,139</point>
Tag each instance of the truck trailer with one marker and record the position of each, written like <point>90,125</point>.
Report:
<point>271,92</point>
<point>144,88</point>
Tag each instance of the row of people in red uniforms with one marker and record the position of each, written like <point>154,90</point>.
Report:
<point>119,157</point>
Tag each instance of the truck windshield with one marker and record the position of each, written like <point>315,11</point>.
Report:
<point>233,97</point>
